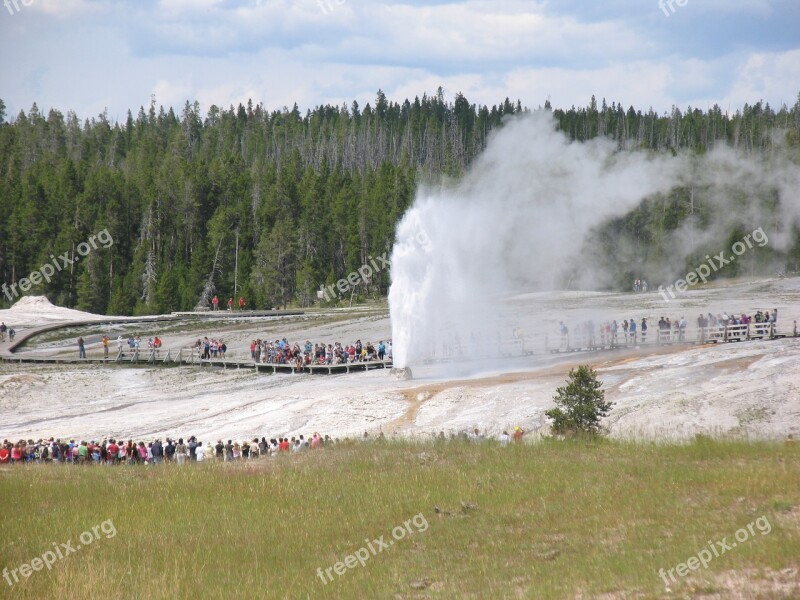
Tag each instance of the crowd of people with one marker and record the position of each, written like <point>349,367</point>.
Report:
<point>631,331</point>
<point>113,451</point>
<point>133,343</point>
<point>211,348</point>
<point>280,351</point>
<point>284,352</point>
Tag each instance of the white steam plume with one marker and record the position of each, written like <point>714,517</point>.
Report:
<point>509,226</point>
<point>519,219</point>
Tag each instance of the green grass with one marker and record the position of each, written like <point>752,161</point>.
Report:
<point>553,520</point>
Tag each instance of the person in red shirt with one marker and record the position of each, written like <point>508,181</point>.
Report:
<point>230,303</point>
<point>215,303</point>
<point>284,445</point>
<point>241,303</point>
<point>112,451</point>
<point>90,448</point>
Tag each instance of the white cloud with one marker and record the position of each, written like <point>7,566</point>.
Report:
<point>87,55</point>
<point>773,77</point>
<point>173,93</point>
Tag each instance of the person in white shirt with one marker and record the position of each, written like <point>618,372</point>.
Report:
<point>200,452</point>
<point>504,439</point>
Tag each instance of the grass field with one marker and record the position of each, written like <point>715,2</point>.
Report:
<point>575,519</point>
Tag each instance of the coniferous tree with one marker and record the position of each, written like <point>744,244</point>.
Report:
<point>325,187</point>
<point>580,404</point>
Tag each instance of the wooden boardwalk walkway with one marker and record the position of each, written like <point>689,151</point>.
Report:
<point>586,342</point>
<point>191,357</point>
<point>553,344</point>
<point>172,357</point>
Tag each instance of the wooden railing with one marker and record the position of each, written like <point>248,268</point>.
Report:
<point>656,336</point>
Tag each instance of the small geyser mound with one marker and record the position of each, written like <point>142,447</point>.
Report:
<point>402,373</point>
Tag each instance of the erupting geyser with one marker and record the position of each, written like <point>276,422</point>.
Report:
<point>517,222</point>
<point>509,226</point>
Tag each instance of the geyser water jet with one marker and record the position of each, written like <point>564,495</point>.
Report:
<point>508,227</point>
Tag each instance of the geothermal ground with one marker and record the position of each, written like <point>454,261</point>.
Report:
<point>747,389</point>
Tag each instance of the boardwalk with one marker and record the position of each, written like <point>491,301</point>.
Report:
<point>552,344</point>
<point>586,342</point>
<point>174,357</point>
<point>191,357</point>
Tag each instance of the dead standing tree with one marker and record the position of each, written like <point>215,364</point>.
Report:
<point>208,287</point>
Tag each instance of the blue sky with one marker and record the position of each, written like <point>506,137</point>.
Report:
<point>96,55</point>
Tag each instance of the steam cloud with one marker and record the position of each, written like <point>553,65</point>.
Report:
<point>521,216</point>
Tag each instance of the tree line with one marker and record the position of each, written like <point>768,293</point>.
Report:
<point>269,205</point>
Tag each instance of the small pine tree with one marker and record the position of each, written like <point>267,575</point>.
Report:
<point>580,404</point>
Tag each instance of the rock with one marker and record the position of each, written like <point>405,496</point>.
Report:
<point>442,513</point>
<point>401,373</point>
<point>550,555</point>
<point>420,584</point>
